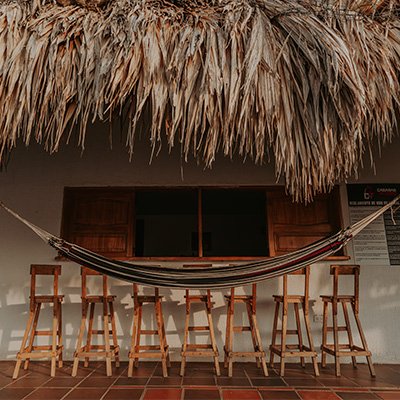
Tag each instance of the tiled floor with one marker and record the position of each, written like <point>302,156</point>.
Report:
<point>200,383</point>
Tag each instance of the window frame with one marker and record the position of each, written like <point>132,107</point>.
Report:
<point>268,190</point>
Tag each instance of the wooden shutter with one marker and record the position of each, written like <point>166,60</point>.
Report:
<point>295,225</point>
<point>100,220</point>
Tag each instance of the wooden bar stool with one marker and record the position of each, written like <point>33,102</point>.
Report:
<point>258,353</point>
<point>148,351</point>
<point>336,349</point>
<point>284,350</point>
<point>199,350</point>
<point>107,350</point>
<point>28,350</point>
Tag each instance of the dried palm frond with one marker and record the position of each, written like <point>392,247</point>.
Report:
<point>312,82</point>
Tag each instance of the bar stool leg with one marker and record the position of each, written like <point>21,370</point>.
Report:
<point>139,327</point>
<point>252,331</point>
<point>59,335</point>
<point>274,333</point>
<point>283,337</point>
<point>186,335</point>
<point>32,313</point>
<point>54,340</point>
<point>164,336</point>
<point>106,328</point>
<point>80,337</point>
<point>310,340</point>
<point>324,334</point>
<point>160,335</point>
<point>299,332</point>
<point>135,329</point>
<point>349,333</point>
<point>230,337</point>
<point>336,337</point>
<point>259,343</point>
<point>89,334</point>
<point>32,337</point>
<point>363,341</point>
<point>114,333</point>
<point>213,341</point>
<point>227,335</point>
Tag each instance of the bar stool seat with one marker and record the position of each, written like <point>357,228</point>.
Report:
<point>250,302</point>
<point>337,349</point>
<point>299,349</point>
<point>28,350</point>
<point>137,350</point>
<point>107,350</point>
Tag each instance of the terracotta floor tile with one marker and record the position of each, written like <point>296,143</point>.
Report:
<point>373,382</point>
<point>101,371</point>
<point>97,382</point>
<point>14,394</point>
<point>6,364</point>
<point>5,381</point>
<point>143,371</point>
<point>124,394</point>
<point>386,395</point>
<point>279,395</point>
<point>208,373</point>
<point>197,364</point>
<point>202,394</point>
<point>294,370</point>
<point>199,381</point>
<point>240,394</point>
<point>168,381</point>
<point>162,394</point>
<point>317,395</point>
<point>302,382</point>
<point>69,382</point>
<point>38,368</point>
<point>47,393</point>
<point>8,373</point>
<point>258,382</point>
<point>357,395</point>
<point>29,382</point>
<point>226,381</point>
<point>86,394</point>
<point>131,381</point>
<point>337,382</point>
<point>172,371</point>
<point>66,372</point>
<point>258,373</point>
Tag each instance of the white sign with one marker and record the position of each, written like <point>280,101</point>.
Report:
<point>370,246</point>
<point>377,244</point>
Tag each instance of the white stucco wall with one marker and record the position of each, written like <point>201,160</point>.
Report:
<point>33,186</point>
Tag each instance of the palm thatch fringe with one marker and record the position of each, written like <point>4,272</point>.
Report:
<point>312,82</point>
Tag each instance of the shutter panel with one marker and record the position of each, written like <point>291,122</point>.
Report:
<point>100,220</point>
<point>295,225</point>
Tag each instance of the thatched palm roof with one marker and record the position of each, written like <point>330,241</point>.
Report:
<point>313,83</point>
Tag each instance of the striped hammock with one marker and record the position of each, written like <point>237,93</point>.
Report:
<point>209,277</point>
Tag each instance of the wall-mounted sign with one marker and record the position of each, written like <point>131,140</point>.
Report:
<point>379,242</point>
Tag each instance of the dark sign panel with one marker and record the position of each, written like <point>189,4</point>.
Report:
<point>372,194</point>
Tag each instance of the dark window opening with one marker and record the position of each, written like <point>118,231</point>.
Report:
<point>235,221</point>
<point>167,220</point>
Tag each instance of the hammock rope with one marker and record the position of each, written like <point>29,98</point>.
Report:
<point>209,277</point>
